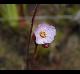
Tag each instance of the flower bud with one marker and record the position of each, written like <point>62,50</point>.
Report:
<point>45,45</point>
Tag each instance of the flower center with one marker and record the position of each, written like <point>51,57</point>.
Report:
<point>43,34</point>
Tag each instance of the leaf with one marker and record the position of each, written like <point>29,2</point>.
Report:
<point>10,14</point>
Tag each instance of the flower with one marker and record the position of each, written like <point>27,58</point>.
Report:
<point>44,33</point>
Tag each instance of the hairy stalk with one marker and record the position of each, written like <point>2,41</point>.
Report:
<point>27,54</point>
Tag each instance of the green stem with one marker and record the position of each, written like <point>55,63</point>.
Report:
<point>35,51</point>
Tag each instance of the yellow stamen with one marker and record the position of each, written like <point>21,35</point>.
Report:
<point>43,34</point>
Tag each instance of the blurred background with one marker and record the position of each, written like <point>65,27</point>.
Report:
<point>62,54</point>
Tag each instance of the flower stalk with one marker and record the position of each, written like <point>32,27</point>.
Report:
<point>32,22</point>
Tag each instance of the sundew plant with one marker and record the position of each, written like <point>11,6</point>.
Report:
<point>39,36</point>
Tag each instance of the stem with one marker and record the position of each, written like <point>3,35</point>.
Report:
<point>35,51</point>
<point>27,54</point>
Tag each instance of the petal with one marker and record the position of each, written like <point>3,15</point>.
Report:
<point>50,34</point>
<point>39,41</point>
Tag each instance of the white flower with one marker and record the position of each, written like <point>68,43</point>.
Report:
<point>44,33</point>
